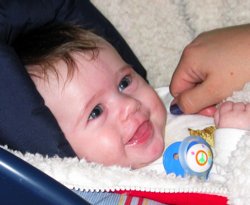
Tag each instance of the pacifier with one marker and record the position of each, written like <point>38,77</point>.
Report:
<point>193,156</point>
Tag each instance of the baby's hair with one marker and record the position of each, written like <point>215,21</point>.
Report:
<point>48,44</point>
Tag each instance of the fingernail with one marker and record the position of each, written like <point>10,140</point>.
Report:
<point>175,110</point>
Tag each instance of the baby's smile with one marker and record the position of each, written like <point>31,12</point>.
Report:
<point>142,134</point>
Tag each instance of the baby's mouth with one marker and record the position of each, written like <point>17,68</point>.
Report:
<point>142,134</point>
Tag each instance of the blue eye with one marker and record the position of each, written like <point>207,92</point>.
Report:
<point>96,112</point>
<point>125,82</point>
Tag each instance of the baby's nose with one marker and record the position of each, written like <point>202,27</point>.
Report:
<point>130,107</point>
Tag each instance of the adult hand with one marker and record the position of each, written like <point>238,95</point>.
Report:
<point>211,67</point>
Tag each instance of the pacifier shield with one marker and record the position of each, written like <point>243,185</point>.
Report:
<point>171,161</point>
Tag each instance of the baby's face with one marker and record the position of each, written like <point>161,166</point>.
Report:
<point>107,112</point>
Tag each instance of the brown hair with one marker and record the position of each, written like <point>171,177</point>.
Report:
<point>48,44</point>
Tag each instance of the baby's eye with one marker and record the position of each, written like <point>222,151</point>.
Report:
<point>96,112</point>
<point>125,82</point>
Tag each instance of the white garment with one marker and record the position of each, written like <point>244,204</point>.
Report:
<point>226,139</point>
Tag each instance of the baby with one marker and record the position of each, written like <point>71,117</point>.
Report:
<point>107,112</point>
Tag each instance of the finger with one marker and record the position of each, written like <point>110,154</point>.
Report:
<point>240,106</point>
<point>179,83</point>
<point>184,78</point>
<point>199,97</point>
<point>208,111</point>
<point>217,118</point>
<point>248,107</point>
<point>226,107</point>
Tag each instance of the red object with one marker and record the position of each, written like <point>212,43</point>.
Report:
<point>179,198</point>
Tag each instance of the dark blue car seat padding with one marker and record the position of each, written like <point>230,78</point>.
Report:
<point>21,183</point>
<point>26,124</point>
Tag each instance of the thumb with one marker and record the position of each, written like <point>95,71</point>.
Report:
<point>197,98</point>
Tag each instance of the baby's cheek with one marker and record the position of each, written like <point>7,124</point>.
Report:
<point>160,112</point>
<point>159,115</point>
<point>158,148</point>
<point>110,149</point>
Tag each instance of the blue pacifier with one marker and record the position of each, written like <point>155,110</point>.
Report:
<point>193,156</point>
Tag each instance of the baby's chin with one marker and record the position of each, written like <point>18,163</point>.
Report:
<point>141,165</point>
<point>157,154</point>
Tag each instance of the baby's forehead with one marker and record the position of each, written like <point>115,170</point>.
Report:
<point>104,58</point>
<point>105,54</point>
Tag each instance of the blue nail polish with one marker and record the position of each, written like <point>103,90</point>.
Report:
<point>175,110</point>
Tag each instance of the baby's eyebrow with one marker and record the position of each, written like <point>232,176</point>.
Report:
<point>123,68</point>
<point>126,66</point>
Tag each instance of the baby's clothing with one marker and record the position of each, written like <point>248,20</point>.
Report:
<point>177,126</point>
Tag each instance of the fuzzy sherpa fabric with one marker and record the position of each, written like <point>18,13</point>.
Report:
<point>158,30</point>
